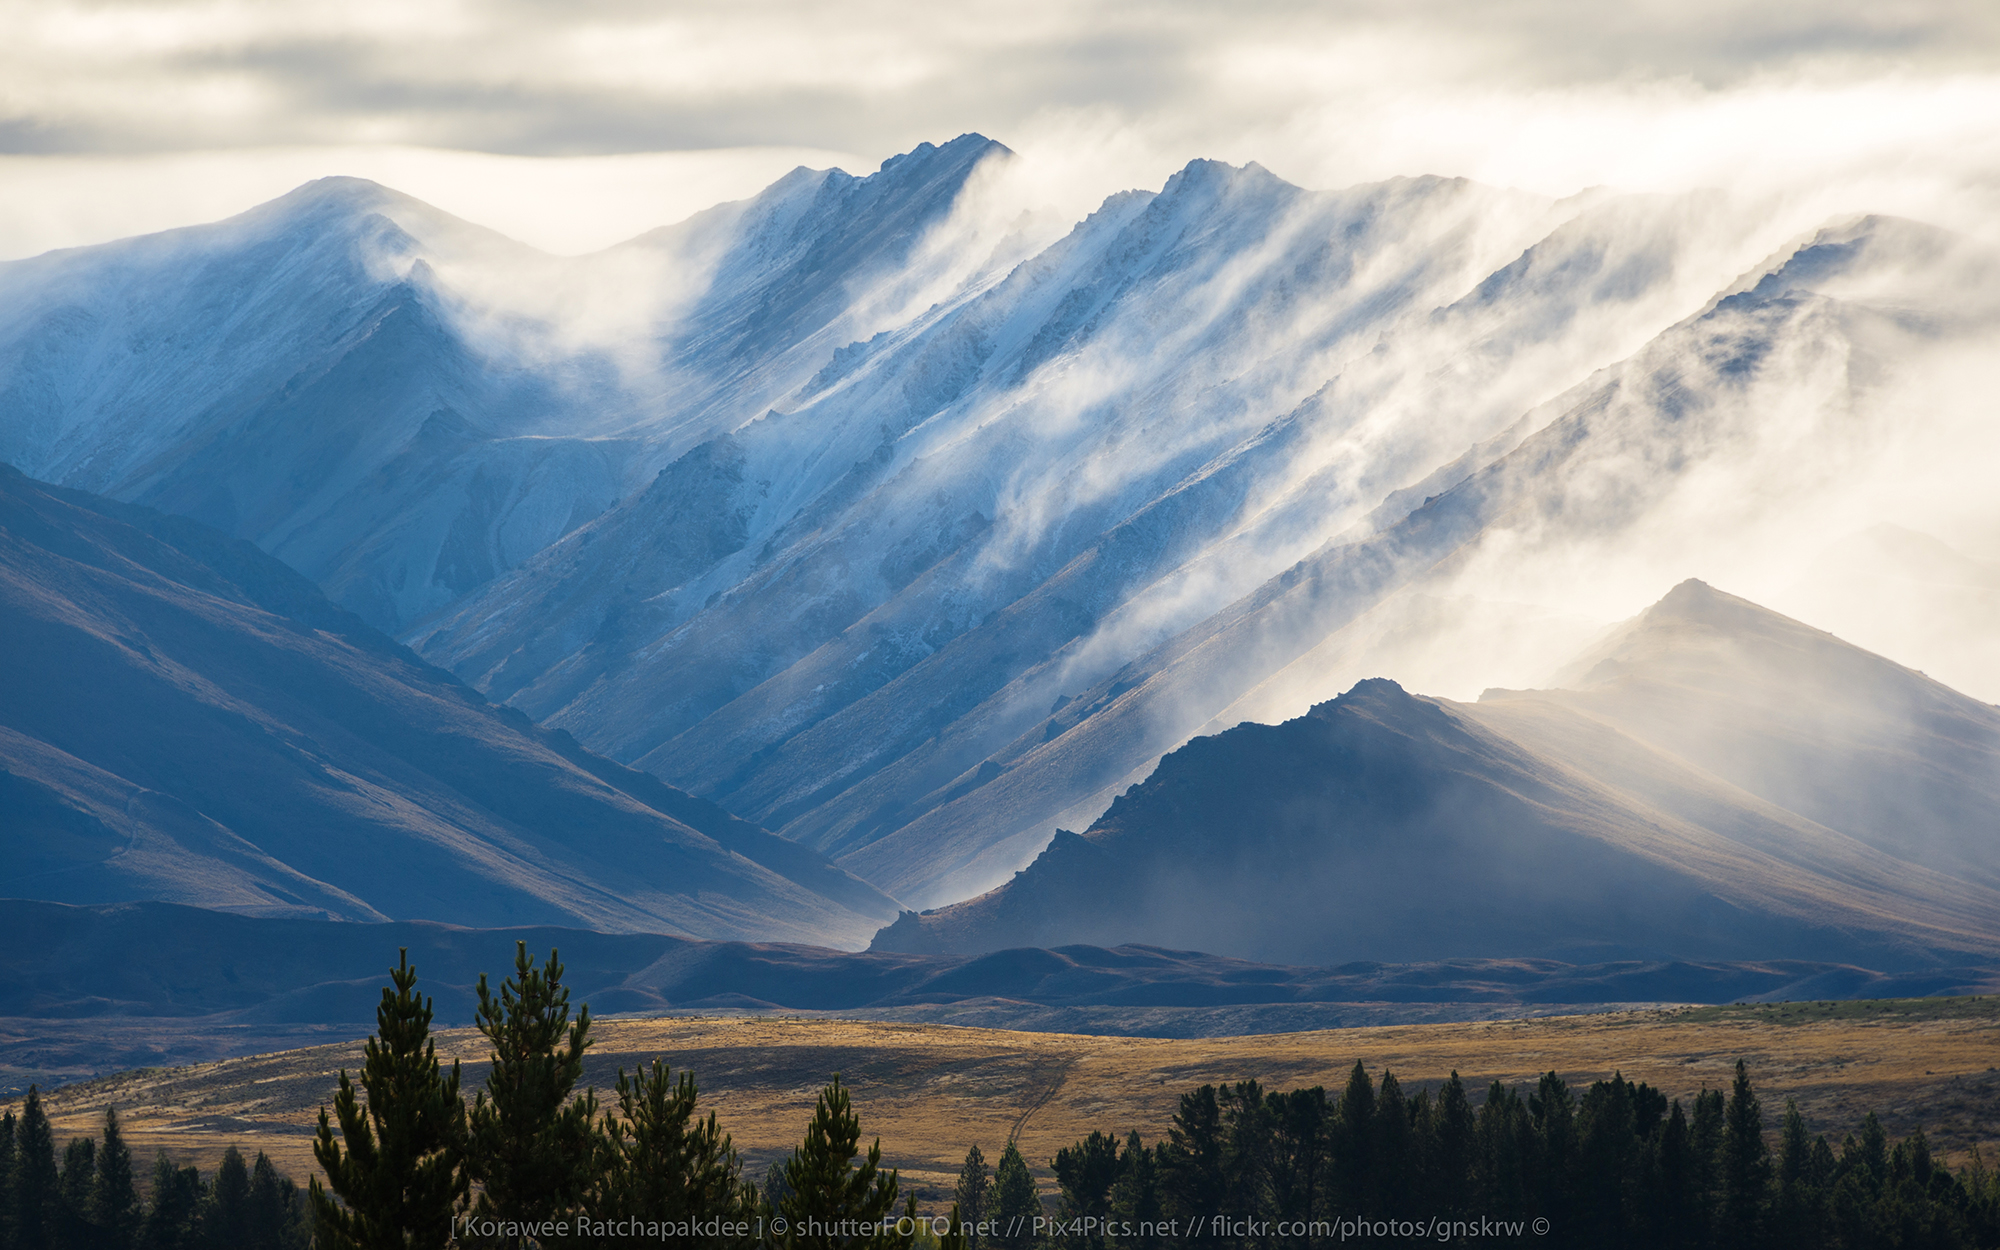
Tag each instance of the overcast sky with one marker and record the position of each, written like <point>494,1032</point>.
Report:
<point>120,116</point>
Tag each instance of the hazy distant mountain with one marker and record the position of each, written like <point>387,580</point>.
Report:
<point>183,718</point>
<point>1665,808</point>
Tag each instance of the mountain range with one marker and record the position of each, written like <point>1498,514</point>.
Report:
<point>822,554</point>
<point>1721,781</point>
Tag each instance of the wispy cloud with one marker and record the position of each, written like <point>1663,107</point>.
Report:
<point>1551,95</point>
<point>617,76</point>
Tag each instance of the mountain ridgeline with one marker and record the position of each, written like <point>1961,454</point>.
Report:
<point>909,526</point>
<point>184,718</point>
<point>1722,781</point>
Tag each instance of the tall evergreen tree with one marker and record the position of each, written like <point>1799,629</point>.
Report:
<point>533,1155</point>
<point>1795,1215</point>
<point>1392,1154</point>
<point>115,1201</point>
<point>1706,1129</point>
<point>1192,1185</point>
<point>273,1206</point>
<point>74,1226</point>
<point>35,1178</point>
<point>1353,1141</point>
<point>833,1204</point>
<point>1016,1204</point>
<point>1085,1173</point>
<point>1299,1153</point>
<point>1448,1165</point>
<point>171,1218</point>
<point>402,1172</point>
<point>7,1158</point>
<point>973,1194</point>
<point>226,1222</point>
<point>1135,1197</point>
<point>1506,1160</point>
<point>1247,1141</point>
<point>1553,1110</point>
<point>661,1163</point>
<point>1670,1210</point>
<point>1746,1165</point>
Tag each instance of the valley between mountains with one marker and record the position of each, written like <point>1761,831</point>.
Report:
<point>1247,608</point>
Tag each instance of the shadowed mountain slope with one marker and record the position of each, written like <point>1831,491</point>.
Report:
<point>185,718</point>
<point>1388,826</point>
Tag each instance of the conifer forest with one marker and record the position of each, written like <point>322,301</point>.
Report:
<point>409,1160</point>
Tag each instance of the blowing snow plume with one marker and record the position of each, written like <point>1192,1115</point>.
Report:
<point>905,523</point>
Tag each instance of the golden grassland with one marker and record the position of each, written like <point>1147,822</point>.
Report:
<point>930,1090</point>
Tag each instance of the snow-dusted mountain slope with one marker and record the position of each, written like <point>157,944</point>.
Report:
<point>292,376</point>
<point>1709,441</point>
<point>851,603</point>
<point>896,520</point>
<point>400,404</point>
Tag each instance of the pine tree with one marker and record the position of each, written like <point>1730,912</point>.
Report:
<point>1354,1141</point>
<point>1448,1170</point>
<point>1085,1173</point>
<point>1298,1155</point>
<point>73,1193</point>
<point>1390,1149</point>
<point>35,1178</point>
<point>1016,1205</point>
<point>7,1158</point>
<point>1191,1177</point>
<point>177,1196</point>
<point>834,1205</point>
<point>1135,1197</point>
<point>973,1194</point>
<point>1796,1221</point>
<point>273,1206</point>
<point>534,1155</point>
<point>1554,1112</point>
<point>1504,1154</point>
<point>1746,1165</point>
<point>115,1203</point>
<point>663,1164</point>
<point>227,1219</point>
<point>402,1170</point>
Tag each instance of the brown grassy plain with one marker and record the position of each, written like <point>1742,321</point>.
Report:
<point>931,1090</point>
